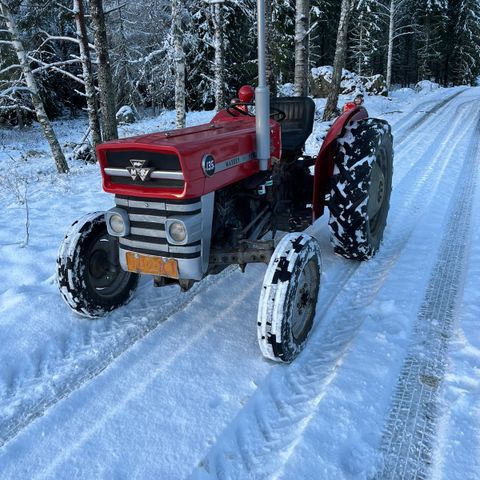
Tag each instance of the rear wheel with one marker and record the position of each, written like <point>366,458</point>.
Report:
<point>361,187</point>
<point>89,274</point>
<point>289,297</point>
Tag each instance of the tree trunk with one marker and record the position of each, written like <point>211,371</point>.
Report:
<point>339,62</point>
<point>269,64</point>
<point>90,92</point>
<point>32,85</point>
<point>179,63</point>
<point>302,24</point>
<point>391,32</point>
<point>219,57</point>
<point>105,82</point>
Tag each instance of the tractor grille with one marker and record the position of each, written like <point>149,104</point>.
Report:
<point>147,225</point>
<point>165,169</point>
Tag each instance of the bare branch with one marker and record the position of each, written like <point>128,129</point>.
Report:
<point>402,35</point>
<point>46,66</point>
<point>68,74</point>
<point>62,39</point>
<point>11,67</point>
<point>13,107</point>
<point>15,89</point>
<point>115,9</point>
<point>69,10</point>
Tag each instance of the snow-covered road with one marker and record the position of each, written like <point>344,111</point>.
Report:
<point>173,385</point>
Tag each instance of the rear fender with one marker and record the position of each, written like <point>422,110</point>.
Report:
<point>324,161</point>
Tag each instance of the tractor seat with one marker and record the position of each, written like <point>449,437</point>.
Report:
<point>298,123</point>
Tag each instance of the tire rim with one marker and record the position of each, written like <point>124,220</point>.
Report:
<point>377,191</point>
<point>305,300</point>
<point>104,274</point>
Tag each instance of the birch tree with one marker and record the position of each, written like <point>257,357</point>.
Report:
<point>105,83</point>
<point>302,25</point>
<point>179,55</point>
<point>269,61</point>
<point>219,65</point>
<point>32,85</point>
<point>339,61</point>
<point>399,21</point>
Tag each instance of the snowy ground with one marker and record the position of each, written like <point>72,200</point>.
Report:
<point>173,385</point>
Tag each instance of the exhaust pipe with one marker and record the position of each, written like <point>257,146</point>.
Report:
<point>262,94</point>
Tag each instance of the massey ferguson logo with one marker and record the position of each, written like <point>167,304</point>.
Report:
<point>139,170</point>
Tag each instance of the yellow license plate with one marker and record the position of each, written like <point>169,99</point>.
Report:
<point>164,267</point>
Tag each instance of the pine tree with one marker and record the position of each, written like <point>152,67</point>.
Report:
<point>431,22</point>
<point>466,53</point>
<point>364,39</point>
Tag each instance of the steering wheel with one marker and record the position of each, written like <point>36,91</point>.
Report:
<point>277,114</point>
<point>235,108</point>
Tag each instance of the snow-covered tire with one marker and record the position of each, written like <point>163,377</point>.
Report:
<point>89,275</point>
<point>289,297</point>
<point>361,187</point>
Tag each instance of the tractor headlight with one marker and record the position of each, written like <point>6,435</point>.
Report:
<point>177,231</point>
<point>117,222</point>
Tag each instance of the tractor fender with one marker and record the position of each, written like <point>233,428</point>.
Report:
<point>324,161</point>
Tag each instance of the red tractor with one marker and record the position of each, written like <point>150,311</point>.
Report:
<point>191,202</point>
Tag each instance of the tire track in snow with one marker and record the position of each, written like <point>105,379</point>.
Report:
<point>136,389</point>
<point>264,435</point>
<point>403,123</point>
<point>445,140</point>
<point>56,380</point>
<point>411,426</point>
<point>34,396</point>
<point>418,140</point>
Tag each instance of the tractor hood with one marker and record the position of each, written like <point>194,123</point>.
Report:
<point>185,163</point>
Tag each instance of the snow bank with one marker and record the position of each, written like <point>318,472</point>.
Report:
<point>321,78</point>
<point>426,86</point>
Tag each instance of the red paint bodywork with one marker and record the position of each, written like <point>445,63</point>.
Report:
<point>225,137</point>
<point>324,161</point>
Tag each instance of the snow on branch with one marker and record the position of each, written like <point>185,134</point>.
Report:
<point>46,66</point>
<point>11,67</point>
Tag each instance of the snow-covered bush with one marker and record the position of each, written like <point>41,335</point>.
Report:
<point>321,78</point>
<point>425,86</point>
<point>84,152</point>
<point>402,93</point>
<point>16,108</point>
<point>286,90</point>
<point>126,114</point>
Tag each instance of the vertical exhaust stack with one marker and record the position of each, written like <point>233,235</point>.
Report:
<point>262,95</point>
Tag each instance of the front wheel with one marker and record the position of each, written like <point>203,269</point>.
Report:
<point>89,274</point>
<point>289,297</point>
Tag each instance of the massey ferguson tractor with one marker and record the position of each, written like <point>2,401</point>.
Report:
<point>190,202</point>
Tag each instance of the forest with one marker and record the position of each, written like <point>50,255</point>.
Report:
<point>56,56</point>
